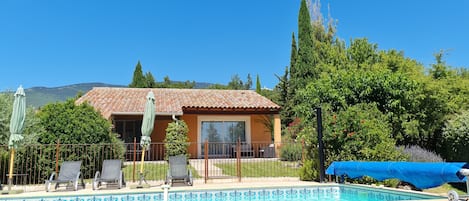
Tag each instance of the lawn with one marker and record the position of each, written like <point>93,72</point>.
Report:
<point>261,169</point>
<point>152,171</point>
<point>443,190</point>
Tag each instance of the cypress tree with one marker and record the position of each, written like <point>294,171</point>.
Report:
<point>138,80</point>
<point>304,70</point>
<point>258,85</point>
<point>293,55</point>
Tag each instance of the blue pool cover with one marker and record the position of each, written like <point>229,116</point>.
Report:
<point>421,174</point>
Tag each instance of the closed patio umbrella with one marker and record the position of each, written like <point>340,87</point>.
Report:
<point>16,127</point>
<point>147,125</point>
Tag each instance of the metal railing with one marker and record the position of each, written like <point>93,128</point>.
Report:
<point>234,161</point>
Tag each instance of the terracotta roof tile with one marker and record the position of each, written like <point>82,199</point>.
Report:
<point>172,101</point>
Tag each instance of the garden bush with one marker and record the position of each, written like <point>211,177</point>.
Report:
<point>360,132</point>
<point>84,134</point>
<point>176,141</point>
<point>309,171</point>
<point>291,152</point>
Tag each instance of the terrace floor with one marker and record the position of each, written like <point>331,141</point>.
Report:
<point>199,184</point>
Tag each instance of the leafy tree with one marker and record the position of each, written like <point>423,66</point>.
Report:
<point>6,107</point>
<point>73,124</point>
<point>463,73</point>
<point>258,85</point>
<point>327,73</point>
<point>138,80</point>
<point>362,54</point>
<point>77,125</point>
<point>176,141</point>
<point>456,137</point>
<point>270,94</point>
<point>30,133</point>
<point>149,80</point>
<point>394,94</point>
<point>396,62</point>
<point>167,83</point>
<point>444,97</point>
<point>32,129</point>
<point>236,82</point>
<point>359,132</point>
<point>440,69</point>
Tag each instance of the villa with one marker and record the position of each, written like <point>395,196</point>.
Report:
<point>216,116</point>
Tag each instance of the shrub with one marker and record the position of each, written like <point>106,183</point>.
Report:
<point>291,152</point>
<point>176,139</point>
<point>309,171</point>
<point>418,154</point>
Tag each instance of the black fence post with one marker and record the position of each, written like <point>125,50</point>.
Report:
<point>322,173</point>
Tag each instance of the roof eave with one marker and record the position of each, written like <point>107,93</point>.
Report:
<point>141,113</point>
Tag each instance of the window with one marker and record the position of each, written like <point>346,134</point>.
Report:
<point>128,130</point>
<point>222,132</point>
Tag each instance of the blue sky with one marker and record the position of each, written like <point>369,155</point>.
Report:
<point>59,42</point>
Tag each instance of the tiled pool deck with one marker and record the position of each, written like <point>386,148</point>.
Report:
<point>156,187</point>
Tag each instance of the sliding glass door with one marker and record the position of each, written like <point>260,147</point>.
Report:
<point>222,135</point>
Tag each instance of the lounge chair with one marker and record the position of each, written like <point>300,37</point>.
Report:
<point>245,150</point>
<point>111,173</point>
<point>69,174</point>
<point>178,170</point>
<point>267,152</point>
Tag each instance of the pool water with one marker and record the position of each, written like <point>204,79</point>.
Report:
<point>314,193</point>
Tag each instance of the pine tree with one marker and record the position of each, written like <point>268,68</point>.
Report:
<point>287,92</point>
<point>248,83</point>
<point>258,85</point>
<point>138,80</point>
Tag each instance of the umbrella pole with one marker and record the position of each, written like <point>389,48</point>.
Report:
<point>10,175</point>
<point>143,160</point>
<point>141,166</point>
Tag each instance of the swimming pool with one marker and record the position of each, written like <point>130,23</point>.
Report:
<point>315,193</point>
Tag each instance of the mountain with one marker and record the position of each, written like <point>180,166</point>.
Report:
<point>39,96</point>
